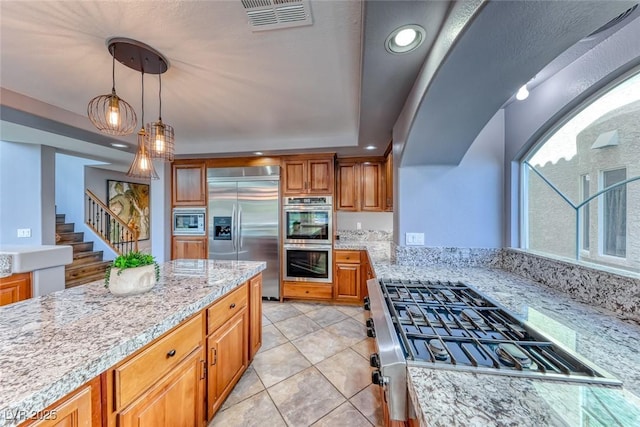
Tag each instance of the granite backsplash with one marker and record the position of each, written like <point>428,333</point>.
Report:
<point>365,235</point>
<point>616,292</point>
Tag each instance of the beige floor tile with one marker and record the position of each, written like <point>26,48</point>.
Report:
<point>365,347</point>
<point>305,398</point>
<point>368,403</point>
<point>306,307</point>
<point>351,310</point>
<point>319,345</point>
<point>350,330</point>
<point>277,311</point>
<point>265,321</point>
<point>344,415</point>
<point>325,316</point>
<point>271,337</point>
<point>257,411</point>
<point>248,385</point>
<point>348,371</point>
<point>279,363</point>
<point>298,326</point>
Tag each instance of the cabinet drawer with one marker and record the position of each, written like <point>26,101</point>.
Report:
<point>306,290</point>
<point>138,373</point>
<point>347,256</point>
<point>226,307</point>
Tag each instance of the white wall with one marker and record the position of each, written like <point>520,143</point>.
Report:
<point>161,213</point>
<point>456,205</point>
<point>26,193</point>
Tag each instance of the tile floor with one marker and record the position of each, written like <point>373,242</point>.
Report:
<point>312,370</point>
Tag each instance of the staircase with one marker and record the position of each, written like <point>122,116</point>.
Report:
<point>87,265</point>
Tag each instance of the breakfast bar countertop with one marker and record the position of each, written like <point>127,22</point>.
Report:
<point>447,397</point>
<point>53,344</point>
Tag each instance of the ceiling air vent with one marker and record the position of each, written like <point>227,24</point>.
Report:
<point>615,20</point>
<point>276,14</point>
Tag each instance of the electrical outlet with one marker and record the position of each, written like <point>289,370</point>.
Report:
<point>358,226</point>
<point>24,232</point>
<point>414,239</point>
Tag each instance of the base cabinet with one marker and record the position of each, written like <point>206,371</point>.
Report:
<point>307,290</point>
<point>227,351</point>
<point>255,315</point>
<point>189,248</point>
<point>14,288</point>
<point>174,401</point>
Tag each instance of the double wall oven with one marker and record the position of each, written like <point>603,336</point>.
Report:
<point>308,239</point>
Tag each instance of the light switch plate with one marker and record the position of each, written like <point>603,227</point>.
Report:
<point>414,239</point>
<point>24,232</point>
<point>358,226</point>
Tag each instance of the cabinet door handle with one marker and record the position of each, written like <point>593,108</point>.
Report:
<point>233,305</point>
<point>214,356</point>
<point>171,353</point>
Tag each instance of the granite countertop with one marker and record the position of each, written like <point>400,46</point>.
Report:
<point>53,344</point>
<point>447,398</point>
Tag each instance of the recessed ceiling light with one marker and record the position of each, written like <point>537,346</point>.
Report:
<point>258,153</point>
<point>405,39</point>
<point>118,145</point>
<point>370,147</point>
<point>523,93</point>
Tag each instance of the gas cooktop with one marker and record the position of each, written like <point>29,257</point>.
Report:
<point>451,325</point>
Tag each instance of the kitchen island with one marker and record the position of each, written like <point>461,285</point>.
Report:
<point>52,345</point>
<point>447,397</point>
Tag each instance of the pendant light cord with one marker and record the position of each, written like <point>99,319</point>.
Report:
<point>113,68</point>
<point>160,96</point>
<point>142,73</point>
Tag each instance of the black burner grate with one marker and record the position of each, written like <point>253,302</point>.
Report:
<point>450,324</point>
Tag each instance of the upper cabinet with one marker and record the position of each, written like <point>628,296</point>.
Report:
<point>307,174</point>
<point>360,184</point>
<point>388,182</point>
<point>189,184</point>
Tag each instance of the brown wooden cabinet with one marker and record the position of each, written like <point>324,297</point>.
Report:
<point>255,315</point>
<point>227,352</point>
<point>347,276</point>
<point>189,184</point>
<point>189,247</point>
<point>14,288</point>
<point>388,182</point>
<point>307,174</point>
<point>307,290</point>
<point>175,400</point>
<point>161,384</point>
<point>79,409</point>
<point>360,184</point>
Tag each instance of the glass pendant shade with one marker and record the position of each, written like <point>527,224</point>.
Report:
<point>160,139</point>
<point>142,166</point>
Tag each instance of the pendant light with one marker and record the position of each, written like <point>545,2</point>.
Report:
<point>142,166</point>
<point>110,113</point>
<point>160,135</point>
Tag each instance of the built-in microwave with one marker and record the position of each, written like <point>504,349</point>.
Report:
<point>189,221</point>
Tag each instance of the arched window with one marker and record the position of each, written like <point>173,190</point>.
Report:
<point>582,183</point>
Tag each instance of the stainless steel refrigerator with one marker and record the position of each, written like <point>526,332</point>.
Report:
<point>244,219</point>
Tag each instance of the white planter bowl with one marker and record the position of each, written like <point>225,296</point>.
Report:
<point>131,281</point>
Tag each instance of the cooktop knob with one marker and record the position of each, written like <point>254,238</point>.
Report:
<point>377,378</point>
<point>369,323</point>
<point>374,360</point>
<point>371,333</point>
<point>367,304</point>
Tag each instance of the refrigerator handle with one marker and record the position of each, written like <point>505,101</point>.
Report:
<point>233,227</point>
<point>240,227</point>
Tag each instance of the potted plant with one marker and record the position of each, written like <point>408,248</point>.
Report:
<point>132,273</point>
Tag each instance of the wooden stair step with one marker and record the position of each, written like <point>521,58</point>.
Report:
<point>84,280</point>
<point>81,246</point>
<point>86,257</point>
<point>65,227</point>
<point>85,270</point>
<point>65,238</point>
<point>60,219</point>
